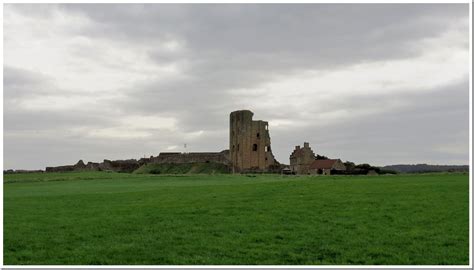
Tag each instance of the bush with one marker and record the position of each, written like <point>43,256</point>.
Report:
<point>155,171</point>
<point>383,171</point>
<point>321,157</point>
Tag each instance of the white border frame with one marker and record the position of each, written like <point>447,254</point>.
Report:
<point>260,266</point>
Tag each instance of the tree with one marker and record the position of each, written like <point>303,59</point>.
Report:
<point>320,157</point>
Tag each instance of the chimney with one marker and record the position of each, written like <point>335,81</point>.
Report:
<point>306,145</point>
<point>297,147</point>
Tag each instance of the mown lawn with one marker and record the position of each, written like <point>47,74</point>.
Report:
<point>112,218</point>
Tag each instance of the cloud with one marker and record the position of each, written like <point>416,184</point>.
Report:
<point>121,80</point>
<point>409,132</point>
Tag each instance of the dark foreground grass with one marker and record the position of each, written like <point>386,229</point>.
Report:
<point>110,218</point>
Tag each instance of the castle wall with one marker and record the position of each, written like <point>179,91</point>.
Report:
<point>196,157</point>
<point>65,168</point>
<point>131,165</point>
<point>128,165</point>
<point>249,144</point>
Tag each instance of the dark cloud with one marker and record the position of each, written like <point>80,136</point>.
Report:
<point>422,129</point>
<point>224,56</point>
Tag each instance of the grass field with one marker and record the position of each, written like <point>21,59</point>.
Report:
<point>112,218</point>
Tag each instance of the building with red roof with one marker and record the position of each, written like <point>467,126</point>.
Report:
<point>303,161</point>
<point>326,166</point>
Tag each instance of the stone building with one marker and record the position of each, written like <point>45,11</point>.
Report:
<point>250,149</point>
<point>326,166</point>
<point>301,159</point>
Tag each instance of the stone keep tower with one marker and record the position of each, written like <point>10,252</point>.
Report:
<point>249,143</point>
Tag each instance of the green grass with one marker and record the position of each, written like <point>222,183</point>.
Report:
<point>185,168</point>
<point>110,218</point>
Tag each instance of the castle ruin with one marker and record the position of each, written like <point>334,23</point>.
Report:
<point>249,152</point>
<point>249,146</point>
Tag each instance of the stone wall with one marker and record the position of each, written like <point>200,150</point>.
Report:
<point>128,165</point>
<point>194,157</point>
<point>107,165</point>
<point>131,165</point>
<point>65,168</point>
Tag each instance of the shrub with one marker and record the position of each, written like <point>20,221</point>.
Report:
<point>155,171</point>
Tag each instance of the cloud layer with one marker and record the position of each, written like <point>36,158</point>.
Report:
<point>381,84</point>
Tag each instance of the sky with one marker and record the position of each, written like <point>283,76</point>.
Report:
<point>370,83</point>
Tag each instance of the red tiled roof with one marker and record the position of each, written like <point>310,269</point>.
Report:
<point>323,164</point>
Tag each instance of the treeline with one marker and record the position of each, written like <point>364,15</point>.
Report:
<point>424,168</point>
<point>359,169</point>
<point>364,168</point>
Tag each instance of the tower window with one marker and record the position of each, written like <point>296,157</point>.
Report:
<point>266,127</point>
<point>254,147</point>
<point>258,135</point>
<point>266,148</point>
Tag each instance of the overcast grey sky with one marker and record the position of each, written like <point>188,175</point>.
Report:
<point>382,84</point>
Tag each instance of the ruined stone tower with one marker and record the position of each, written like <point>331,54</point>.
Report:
<point>249,147</point>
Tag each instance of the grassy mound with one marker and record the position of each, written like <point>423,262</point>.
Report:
<point>185,168</point>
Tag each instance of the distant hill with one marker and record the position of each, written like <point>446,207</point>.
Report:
<point>419,168</point>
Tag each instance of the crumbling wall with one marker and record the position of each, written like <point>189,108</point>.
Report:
<point>131,165</point>
<point>65,168</point>
<point>108,165</point>
<point>195,157</point>
<point>92,166</point>
<point>68,168</point>
<point>128,165</point>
